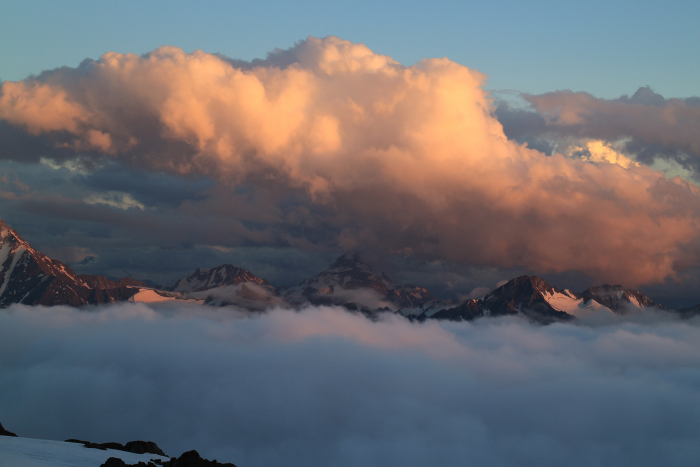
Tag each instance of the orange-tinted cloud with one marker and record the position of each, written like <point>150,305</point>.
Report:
<point>404,157</point>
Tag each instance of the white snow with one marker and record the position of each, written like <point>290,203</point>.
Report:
<point>5,252</point>
<point>149,296</point>
<point>29,452</point>
<point>6,279</point>
<point>574,306</point>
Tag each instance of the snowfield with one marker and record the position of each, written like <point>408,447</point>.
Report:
<point>29,452</point>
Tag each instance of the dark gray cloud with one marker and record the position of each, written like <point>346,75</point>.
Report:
<point>325,387</point>
<point>645,126</point>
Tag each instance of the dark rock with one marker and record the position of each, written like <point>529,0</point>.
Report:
<point>32,278</point>
<point>4,432</point>
<point>143,447</point>
<point>348,275</point>
<point>524,295</point>
<point>136,447</point>
<point>193,459</point>
<point>114,462</point>
<point>225,274</point>
<point>618,299</point>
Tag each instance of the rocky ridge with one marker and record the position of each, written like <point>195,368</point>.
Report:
<point>31,278</point>
<point>352,283</point>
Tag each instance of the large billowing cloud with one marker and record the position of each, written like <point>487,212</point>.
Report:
<point>324,387</point>
<point>383,156</point>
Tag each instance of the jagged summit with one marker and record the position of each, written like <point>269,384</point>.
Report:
<point>225,274</point>
<point>533,297</point>
<point>349,260</point>
<point>31,278</point>
<point>618,299</point>
<point>352,282</point>
<point>524,295</point>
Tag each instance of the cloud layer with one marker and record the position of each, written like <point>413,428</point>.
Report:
<point>325,387</point>
<point>331,144</point>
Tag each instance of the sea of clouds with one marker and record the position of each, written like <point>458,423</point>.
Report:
<point>325,387</point>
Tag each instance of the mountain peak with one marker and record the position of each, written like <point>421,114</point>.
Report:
<point>224,274</point>
<point>349,260</point>
<point>618,298</point>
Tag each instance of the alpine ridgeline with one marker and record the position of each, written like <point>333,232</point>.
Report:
<point>31,278</point>
<point>229,285</point>
<point>534,298</point>
<point>352,283</point>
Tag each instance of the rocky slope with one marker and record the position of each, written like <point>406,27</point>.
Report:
<point>31,278</point>
<point>352,283</point>
<point>534,298</point>
<point>219,276</point>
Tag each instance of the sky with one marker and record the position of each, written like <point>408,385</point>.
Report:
<point>606,48</point>
<point>456,145</point>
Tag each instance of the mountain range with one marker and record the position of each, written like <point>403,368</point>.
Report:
<point>29,277</point>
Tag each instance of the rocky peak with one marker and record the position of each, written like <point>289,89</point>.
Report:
<point>351,282</point>
<point>618,299</point>
<point>31,278</point>
<point>524,295</point>
<point>349,260</point>
<point>225,274</point>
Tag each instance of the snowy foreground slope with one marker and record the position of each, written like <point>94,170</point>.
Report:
<point>29,452</point>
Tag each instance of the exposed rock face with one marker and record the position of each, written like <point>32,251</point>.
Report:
<point>524,295</point>
<point>229,285</point>
<point>618,299</point>
<point>534,298</point>
<point>143,447</point>
<point>193,459</point>
<point>187,459</point>
<point>351,282</point>
<point>225,274</point>
<point>31,278</point>
<point>4,432</point>
<point>136,447</point>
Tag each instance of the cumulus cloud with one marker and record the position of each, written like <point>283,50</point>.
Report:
<point>332,138</point>
<point>326,387</point>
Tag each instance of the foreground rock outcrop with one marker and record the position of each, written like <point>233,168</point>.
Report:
<point>187,459</point>
<point>137,447</point>
<point>4,432</point>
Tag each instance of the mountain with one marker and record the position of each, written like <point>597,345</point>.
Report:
<point>618,299</point>
<point>534,298</point>
<point>525,295</point>
<point>351,282</point>
<point>219,276</point>
<point>31,278</point>
<point>220,286</point>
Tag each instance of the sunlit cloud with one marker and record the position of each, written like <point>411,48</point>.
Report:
<point>114,199</point>
<point>373,153</point>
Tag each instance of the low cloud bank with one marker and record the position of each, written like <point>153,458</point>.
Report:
<point>326,387</point>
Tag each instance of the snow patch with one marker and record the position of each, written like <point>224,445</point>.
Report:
<point>6,279</point>
<point>150,296</point>
<point>29,452</point>
<point>574,306</point>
